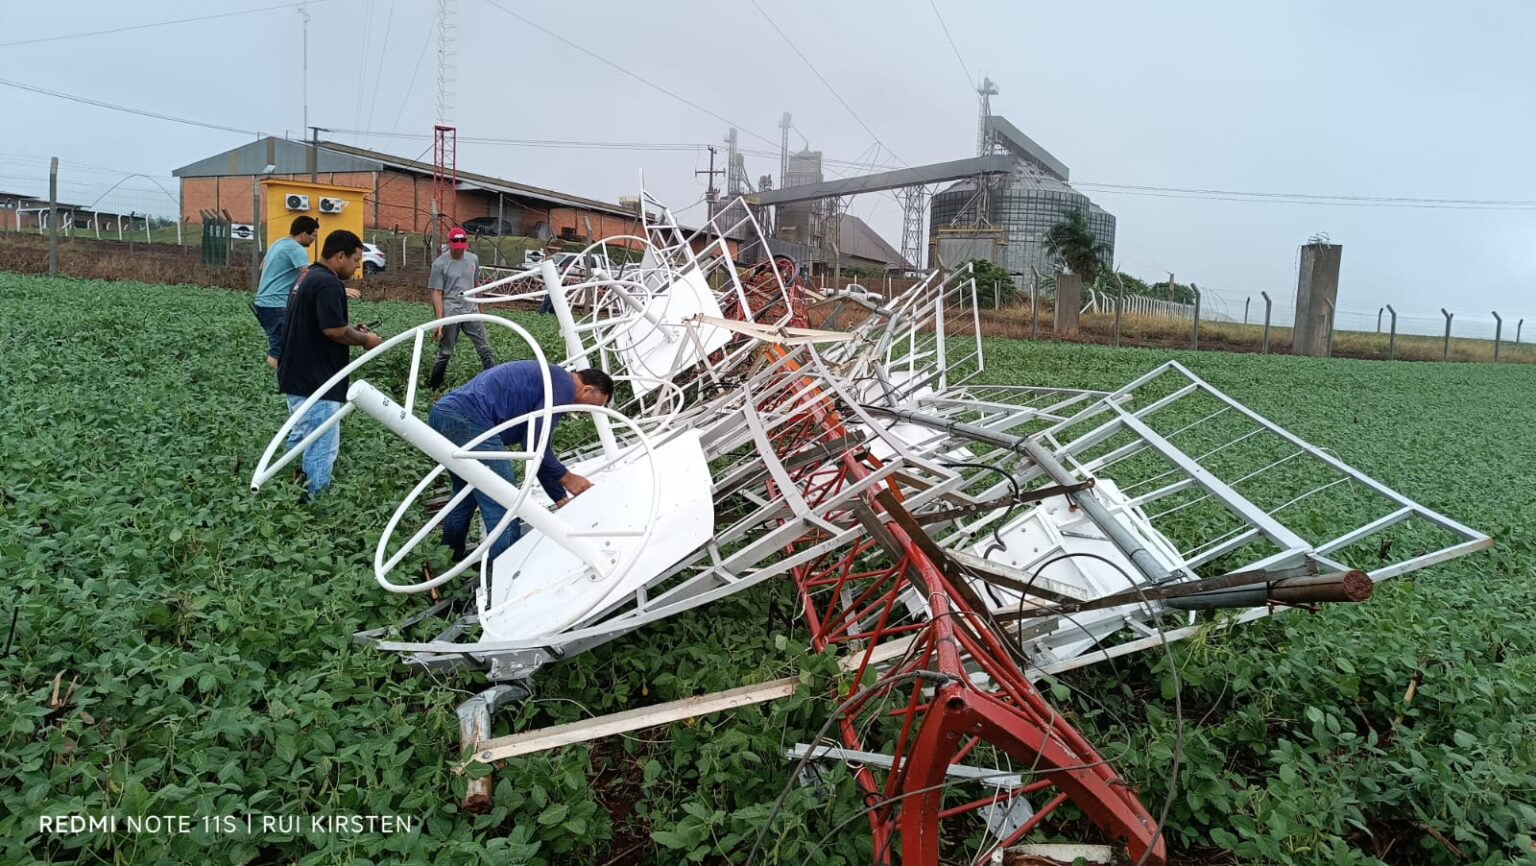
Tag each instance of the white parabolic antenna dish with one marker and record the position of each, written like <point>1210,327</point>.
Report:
<point>540,588</point>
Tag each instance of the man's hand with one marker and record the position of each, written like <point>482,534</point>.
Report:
<point>370,339</point>
<point>575,484</point>
<point>437,334</point>
<point>354,294</point>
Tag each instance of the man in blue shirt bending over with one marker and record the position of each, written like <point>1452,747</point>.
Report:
<point>494,397</point>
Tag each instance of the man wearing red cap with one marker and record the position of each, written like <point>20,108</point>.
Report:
<point>453,273</point>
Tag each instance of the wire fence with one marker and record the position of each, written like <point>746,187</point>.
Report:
<point>115,224</point>
<point>98,203</point>
<point>1244,322</point>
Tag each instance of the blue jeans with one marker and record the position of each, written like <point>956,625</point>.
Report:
<point>271,319</point>
<point>321,456</point>
<point>459,430</point>
<point>546,306</point>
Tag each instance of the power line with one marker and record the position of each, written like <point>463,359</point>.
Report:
<point>970,81</point>
<point>123,108</point>
<point>819,77</point>
<point>537,142</point>
<point>378,74</point>
<point>1120,189</point>
<point>1310,198</point>
<point>416,70</point>
<point>133,27</point>
<point>648,83</point>
<point>362,70</point>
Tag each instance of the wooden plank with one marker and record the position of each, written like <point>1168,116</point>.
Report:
<point>632,720</point>
<point>555,736</point>
<point>784,335</point>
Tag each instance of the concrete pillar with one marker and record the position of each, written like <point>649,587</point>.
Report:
<point>1317,292</point>
<point>1069,302</point>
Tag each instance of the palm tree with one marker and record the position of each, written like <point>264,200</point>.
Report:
<point>1075,244</point>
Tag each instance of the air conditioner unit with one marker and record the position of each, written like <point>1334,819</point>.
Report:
<point>296,202</point>
<point>332,205</point>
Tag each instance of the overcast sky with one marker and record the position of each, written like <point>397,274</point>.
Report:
<point>1397,99</point>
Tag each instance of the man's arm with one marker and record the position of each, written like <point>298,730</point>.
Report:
<point>551,470</point>
<point>348,335</point>
<point>558,481</point>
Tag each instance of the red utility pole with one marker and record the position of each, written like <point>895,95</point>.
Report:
<point>445,181</point>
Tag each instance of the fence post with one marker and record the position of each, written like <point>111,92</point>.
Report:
<point>179,221</point>
<point>1378,318</point>
<point>1518,325</point>
<point>1392,339</point>
<point>1498,331</point>
<point>53,217</point>
<point>146,228</point>
<point>1447,355</point>
<point>1119,306</point>
<point>1034,304</point>
<point>1267,307</point>
<point>1328,340</point>
<point>1194,339</point>
<point>1246,302</point>
<point>255,237</point>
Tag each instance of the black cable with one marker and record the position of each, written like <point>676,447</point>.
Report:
<point>997,539</point>
<point>11,634</point>
<point>415,70</point>
<point>952,46</point>
<point>883,683</point>
<point>123,108</point>
<point>869,807</point>
<point>1173,668</point>
<point>819,77</point>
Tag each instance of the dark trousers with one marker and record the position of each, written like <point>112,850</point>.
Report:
<point>476,333</point>
<point>461,431</point>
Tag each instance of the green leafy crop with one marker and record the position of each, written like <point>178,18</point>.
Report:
<point>199,636</point>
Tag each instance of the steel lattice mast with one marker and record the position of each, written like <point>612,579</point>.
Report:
<point>852,598</point>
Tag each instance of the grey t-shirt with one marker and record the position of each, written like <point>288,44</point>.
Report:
<point>453,277</point>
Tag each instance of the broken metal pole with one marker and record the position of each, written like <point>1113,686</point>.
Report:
<point>1348,586</point>
<point>475,728</point>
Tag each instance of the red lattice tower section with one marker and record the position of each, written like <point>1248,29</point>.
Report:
<point>768,288</point>
<point>445,180</point>
<point>853,597</point>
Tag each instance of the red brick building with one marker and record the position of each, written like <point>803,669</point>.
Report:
<point>401,197</point>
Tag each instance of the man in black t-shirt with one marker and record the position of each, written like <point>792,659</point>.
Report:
<point>315,349</point>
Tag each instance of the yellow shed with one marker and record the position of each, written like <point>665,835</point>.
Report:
<point>336,207</point>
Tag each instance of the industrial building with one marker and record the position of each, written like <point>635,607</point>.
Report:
<point>19,212</point>
<point>1005,218</point>
<point>400,195</point>
<point>997,205</point>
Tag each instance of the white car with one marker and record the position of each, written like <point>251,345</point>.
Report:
<point>866,294</point>
<point>373,259</point>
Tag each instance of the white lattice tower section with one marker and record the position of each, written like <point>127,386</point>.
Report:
<point>447,32</point>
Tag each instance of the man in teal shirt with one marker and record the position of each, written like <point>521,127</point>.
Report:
<point>281,270</point>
